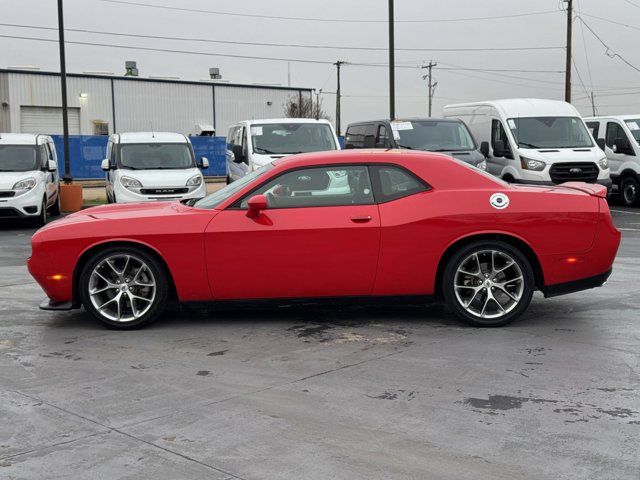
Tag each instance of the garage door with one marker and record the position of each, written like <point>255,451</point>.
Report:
<point>48,120</point>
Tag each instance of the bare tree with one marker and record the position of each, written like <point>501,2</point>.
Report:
<point>298,106</point>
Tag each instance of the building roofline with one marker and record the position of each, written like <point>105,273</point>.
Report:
<point>159,80</point>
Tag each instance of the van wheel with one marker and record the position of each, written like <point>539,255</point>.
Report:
<point>630,191</point>
<point>228,180</point>
<point>488,283</point>
<point>509,179</point>
<point>41,220</point>
<point>55,208</point>
<point>124,288</point>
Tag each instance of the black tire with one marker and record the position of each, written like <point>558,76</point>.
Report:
<point>630,191</point>
<point>229,180</point>
<point>41,220</point>
<point>504,251</point>
<point>55,210</point>
<point>158,303</point>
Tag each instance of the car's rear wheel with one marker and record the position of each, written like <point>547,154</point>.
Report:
<point>124,288</point>
<point>630,189</point>
<point>488,283</point>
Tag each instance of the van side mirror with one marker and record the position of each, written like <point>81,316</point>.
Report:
<point>203,163</point>
<point>484,149</point>
<point>622,145</point>
<point>601,143</point>
<point>238,156</point>
<point>52,166</point>
<point>256,204</point>
<point>106,165</point>
<point>499,149</point>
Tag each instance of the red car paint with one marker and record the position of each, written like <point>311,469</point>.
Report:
<point>223,254</point>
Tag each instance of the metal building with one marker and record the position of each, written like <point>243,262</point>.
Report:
<point>30,102</point>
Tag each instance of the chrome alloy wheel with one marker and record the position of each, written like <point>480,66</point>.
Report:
<point>489,284</point>
<point>122,288</point>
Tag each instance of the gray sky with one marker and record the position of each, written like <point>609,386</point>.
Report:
<point>616,85</point>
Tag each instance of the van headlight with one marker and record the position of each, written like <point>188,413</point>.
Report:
<point>26,184</point>
<point>529,164</point>
<point>604,164</point>
<point>195,181</point>
<point>482,165</point>
<point>130,183</point>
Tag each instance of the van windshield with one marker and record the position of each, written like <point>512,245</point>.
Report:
<point>432,135</point>
<point>634,126</point>
<point>550,132</point>
<point>156,156</point>
<point>291,138</point>
<point>18,158</point>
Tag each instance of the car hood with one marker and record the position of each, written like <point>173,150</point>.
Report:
<point>132,210</point>
<point>560,155</point>
<point>9,179</point>
<point>161,178</point>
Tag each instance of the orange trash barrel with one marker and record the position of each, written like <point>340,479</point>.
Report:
<point>70,197</point>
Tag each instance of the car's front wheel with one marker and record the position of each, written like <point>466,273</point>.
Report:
<point>488,283</point>
<point>124,288</point>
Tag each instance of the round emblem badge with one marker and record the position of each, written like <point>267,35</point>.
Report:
<point>499,201</point>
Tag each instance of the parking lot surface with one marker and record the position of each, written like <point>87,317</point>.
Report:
<point>404,392</point>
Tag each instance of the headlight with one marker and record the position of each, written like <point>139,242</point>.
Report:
<point>604,164</point>
<point>528,164</point>
<point>482,165</point>
<point>26,184</point>
<point>195,181</point>
<point>128,182</point>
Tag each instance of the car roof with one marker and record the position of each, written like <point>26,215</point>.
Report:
<point>407,119</point>
<point>148,137</point>
<point>617,117</point>
<point>283,120</point>
<point>21,138</point>
<point>524,107</point>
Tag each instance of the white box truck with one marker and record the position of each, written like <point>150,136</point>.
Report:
<point>534,141</point>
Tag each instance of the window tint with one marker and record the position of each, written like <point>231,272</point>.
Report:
<point>317,187</point>
<point>383,137</point>
<point>393,183</point>
<point>499,133</point>
<point>355,136</point>
<point>594,128</point>
<point>614,132</point>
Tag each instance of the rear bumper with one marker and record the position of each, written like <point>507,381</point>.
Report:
<point>576,285</point>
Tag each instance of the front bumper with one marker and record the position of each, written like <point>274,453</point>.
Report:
<point>124,195</point>
<point>576,285</point>
<point>26,205</point>
<point>50,305</point>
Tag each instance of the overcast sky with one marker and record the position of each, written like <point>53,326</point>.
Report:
<point>365,89</point>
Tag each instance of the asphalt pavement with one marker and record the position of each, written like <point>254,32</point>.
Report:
<point>404,392</point>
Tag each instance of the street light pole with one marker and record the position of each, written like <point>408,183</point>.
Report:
<point>338,64</point>
<point>567,79</point>
<point>392,65</point>
<point>63,85</point>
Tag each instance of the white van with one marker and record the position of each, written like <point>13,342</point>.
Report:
<point>618,136</point>
<point>534,141</point>
<point>252,144</point>
<point>152,166</point>
<point>29,181</point>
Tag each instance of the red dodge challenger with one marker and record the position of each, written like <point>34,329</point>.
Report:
<point>325,225</point>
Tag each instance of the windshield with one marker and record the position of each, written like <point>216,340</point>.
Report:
<point>432,135</point>
<point>215,199</point>
<point>18,158</point>
<point>550,132</point>
<point>291,138</point>
<point>156,156</point>
<point>634,126</point>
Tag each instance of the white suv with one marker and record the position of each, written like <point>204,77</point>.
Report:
<point>151,166</point>
<point>29,181</point>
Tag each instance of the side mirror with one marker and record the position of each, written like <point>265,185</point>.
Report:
<point>498,149</point>
<point>204,163</point>
<point>256,204</point>
<point>52,166</point>
<point>238,156</point>
<point>106,166</point>
<point>601,143</point>
<point>484,149</point>
<point>621,145</point>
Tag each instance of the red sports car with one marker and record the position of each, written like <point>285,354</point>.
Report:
<point>325,225</point>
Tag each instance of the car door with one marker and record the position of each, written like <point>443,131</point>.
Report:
<point>614,132</point>
<point>318,237</point>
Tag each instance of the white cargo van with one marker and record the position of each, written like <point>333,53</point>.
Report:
<point>534,141</point>
<point>151,166</point>
<point>618,136</point>
<point>252,144</point>
<point>29,181</point>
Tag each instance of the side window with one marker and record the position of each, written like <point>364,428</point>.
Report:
<point>370,135</point>
<point>614,132</point>
<point>231,137</point>
<point>382,139</point>
<point>498,133</point>
<point>391,183</point>
<point>594,128</point>
<point>355,136</point>
<point>43,153</point>
<point>317,187</point>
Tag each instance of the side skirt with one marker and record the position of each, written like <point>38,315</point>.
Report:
<point>576,285</point>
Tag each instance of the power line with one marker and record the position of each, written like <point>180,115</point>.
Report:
<point>268,44</point>
<point>609,21</point>
<point>315,19</point>
<point>632,4</point>
<point>609,52</point>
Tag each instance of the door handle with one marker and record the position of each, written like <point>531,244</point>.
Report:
<point>361,219</point>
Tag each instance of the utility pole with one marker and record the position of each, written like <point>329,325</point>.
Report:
<point>317,109</point>
<point>63,84</point>
<point>567,80</point>
<point>338,64</point>
<point>392,65</point>
<point>593,104</point>
<point>431,84</point>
